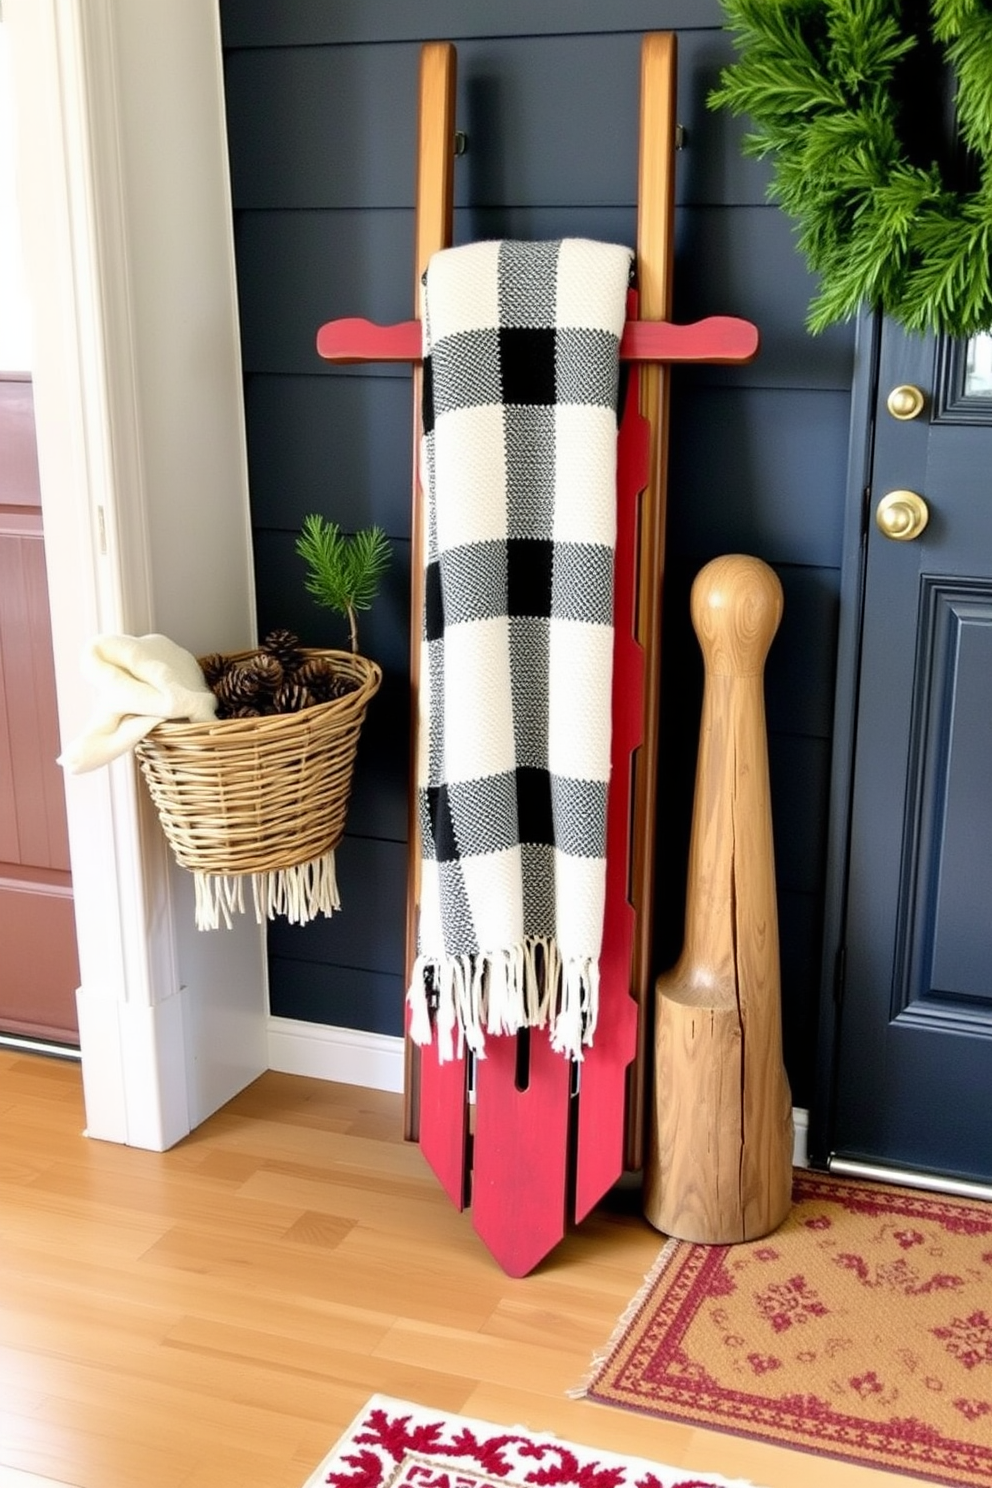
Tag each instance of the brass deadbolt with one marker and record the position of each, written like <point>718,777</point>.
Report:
<point>906,402</point>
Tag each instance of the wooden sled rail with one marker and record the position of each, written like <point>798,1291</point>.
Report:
<point>717,339</point>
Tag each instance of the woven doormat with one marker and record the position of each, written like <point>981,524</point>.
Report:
<point>861,1329</point>
<point>392,1444</point>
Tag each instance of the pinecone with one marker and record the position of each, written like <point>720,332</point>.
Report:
<point>269,671</point>
<point>292,697</point>
<point>341,686</point>
<point>285,647</point>
<point>244,710</point>
<point>317,675</point>
<point>213,667</point>
<point>241,685</point>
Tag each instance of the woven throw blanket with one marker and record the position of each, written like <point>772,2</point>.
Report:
<point>521,373</point>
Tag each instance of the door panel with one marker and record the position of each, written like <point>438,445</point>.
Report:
<point>38,965</point>
<point>947,950</point>
<point>914,1049</point>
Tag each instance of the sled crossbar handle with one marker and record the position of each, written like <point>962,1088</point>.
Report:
<point>717,339</point>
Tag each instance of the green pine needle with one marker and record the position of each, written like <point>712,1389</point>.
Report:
<point>343,572</point>
<point>815,79</point>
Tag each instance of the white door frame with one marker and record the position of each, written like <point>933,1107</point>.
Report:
<point>127,229</point>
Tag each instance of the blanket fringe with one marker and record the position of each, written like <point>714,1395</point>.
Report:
<point>301,893</point>
<point>530,985</point>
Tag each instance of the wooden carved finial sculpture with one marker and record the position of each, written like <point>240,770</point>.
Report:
<point>720,1152</point>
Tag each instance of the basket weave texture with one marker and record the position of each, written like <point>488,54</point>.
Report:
<point>257,795</point>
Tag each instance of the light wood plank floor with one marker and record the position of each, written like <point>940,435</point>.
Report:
<point>213,1316</point>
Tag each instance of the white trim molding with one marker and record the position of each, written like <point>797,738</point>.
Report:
<point>346,1055</point>
<point>126,222</point>
<point>800,1128</point>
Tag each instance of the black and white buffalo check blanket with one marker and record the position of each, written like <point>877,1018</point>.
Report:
<point>521,364</point>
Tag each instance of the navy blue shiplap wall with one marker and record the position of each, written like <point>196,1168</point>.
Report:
<point>321,98</point>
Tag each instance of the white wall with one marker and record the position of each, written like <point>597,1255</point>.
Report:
<point>126,222</point>
<point>15,314</point>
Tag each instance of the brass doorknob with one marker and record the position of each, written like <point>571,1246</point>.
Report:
<point>901,515</point>
<point>905,402</point>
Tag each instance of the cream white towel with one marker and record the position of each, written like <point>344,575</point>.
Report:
<point>140,681</point>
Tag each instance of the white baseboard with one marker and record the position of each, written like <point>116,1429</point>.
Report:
<point>375,1060</point>
<point>800,1122</point>
<point>346,1055</point>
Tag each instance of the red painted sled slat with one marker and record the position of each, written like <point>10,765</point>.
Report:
<point>537,1117</point>
<point>520,1151</point>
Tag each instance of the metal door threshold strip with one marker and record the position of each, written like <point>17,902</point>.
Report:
<point>961,1188</point>
<point>38,1046</point>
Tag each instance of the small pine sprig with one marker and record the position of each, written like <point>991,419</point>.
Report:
<point>343,572</point>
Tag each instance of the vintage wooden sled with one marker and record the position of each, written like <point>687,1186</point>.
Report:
<point>530,1140</point>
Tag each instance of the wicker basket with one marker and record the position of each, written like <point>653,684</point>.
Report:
<point>262,800</point>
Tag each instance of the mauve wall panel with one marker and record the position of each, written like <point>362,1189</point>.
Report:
<point>39,970</point>
<point>33,827</point>
<point>19,484</point>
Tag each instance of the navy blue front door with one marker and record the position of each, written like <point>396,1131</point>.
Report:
<point>913,1053</point>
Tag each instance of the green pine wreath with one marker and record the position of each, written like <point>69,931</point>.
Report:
<point>835,90</point>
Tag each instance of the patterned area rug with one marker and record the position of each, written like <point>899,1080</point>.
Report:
<point>861,1329</point>
<point>392,1444</point>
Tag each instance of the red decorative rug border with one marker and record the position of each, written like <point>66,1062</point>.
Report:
<point>649,1367</point>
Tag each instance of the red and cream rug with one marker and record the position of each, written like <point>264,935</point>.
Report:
<point>861,1329</point>
<point>392,1444</point>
